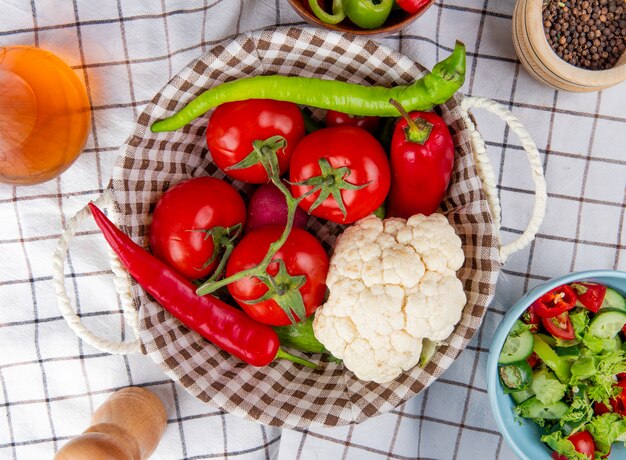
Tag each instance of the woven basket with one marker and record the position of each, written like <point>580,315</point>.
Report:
<point>284,394</point>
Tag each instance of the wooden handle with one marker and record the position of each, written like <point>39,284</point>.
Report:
<point>127,426</point>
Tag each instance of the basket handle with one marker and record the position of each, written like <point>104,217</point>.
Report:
<point>120,279</point>
<point>487,176</point>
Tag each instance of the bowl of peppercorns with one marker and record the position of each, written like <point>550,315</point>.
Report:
<point>574,45</point>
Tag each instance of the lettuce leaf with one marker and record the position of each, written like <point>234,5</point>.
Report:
<point>580,321</point>
<point>579,413</point>
<point>606,429</point>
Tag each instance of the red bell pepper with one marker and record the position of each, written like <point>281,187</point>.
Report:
<point>555,302</point>
<point>590,295</point>
<point>422,156</point>
<point>532,360</point>
<point>225,326</point>
<point>412,6</point>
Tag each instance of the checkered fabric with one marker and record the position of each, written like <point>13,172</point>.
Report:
<point>125,51</point>
<point>282,394</point>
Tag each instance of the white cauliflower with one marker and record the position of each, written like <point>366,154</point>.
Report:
<point>392,285</point>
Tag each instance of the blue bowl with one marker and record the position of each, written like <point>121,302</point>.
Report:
<point>524,438</point>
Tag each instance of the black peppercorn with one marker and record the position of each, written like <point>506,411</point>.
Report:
<point>589,34</point>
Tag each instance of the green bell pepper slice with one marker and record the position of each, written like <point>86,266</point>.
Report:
<point>560,366</point>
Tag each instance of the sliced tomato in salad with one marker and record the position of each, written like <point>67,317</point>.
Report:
<point>560,326</point>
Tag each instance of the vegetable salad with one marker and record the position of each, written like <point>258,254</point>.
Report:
<point>564,365</point>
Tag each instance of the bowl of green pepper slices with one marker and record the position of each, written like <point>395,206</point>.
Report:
<point>555,368</point>
<point>361,17</point>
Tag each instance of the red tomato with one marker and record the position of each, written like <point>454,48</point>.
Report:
<point>302,255</point>
<point>583,443</point>
<point>369,124</point>
<point>560,326</point>
<point>234,126</point>
<point>342,147</point>
<point>590,295</point>
<point>202,203</point>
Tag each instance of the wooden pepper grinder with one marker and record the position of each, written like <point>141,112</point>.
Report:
<point>127,426</point>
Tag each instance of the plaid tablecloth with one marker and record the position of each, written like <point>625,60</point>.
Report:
<point>124,51</point>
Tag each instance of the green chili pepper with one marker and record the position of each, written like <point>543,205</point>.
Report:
<point>339,14</point>
<point>515,377</point>
<point>368,14</point>
<point>300,336</point>
<point>432,89</point>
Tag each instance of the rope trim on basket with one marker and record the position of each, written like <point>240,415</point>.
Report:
<point>487,176</point>
<point>120,280</point>
<point>484,170</point>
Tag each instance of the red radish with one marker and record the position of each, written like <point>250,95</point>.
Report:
<point>268,207</point>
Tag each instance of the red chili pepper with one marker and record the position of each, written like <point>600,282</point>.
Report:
<point>412,6</point>
<point>225,326</point>
<point>531,318</point>
<point>555,302</point>
<point>617,404</point>
<point>600,408</point>
<point>422,156</point>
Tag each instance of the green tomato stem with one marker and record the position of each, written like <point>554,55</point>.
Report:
<point>271,166</point>
<point>282,354</point>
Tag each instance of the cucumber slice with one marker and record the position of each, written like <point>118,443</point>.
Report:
<point>547,387</point>
<point>613,299</point>
<point>535,409</point>
<point>518,345</point>
<point>521,396</point>
<point>606,324</point>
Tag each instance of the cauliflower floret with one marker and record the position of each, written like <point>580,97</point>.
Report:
<point>392,284</point>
